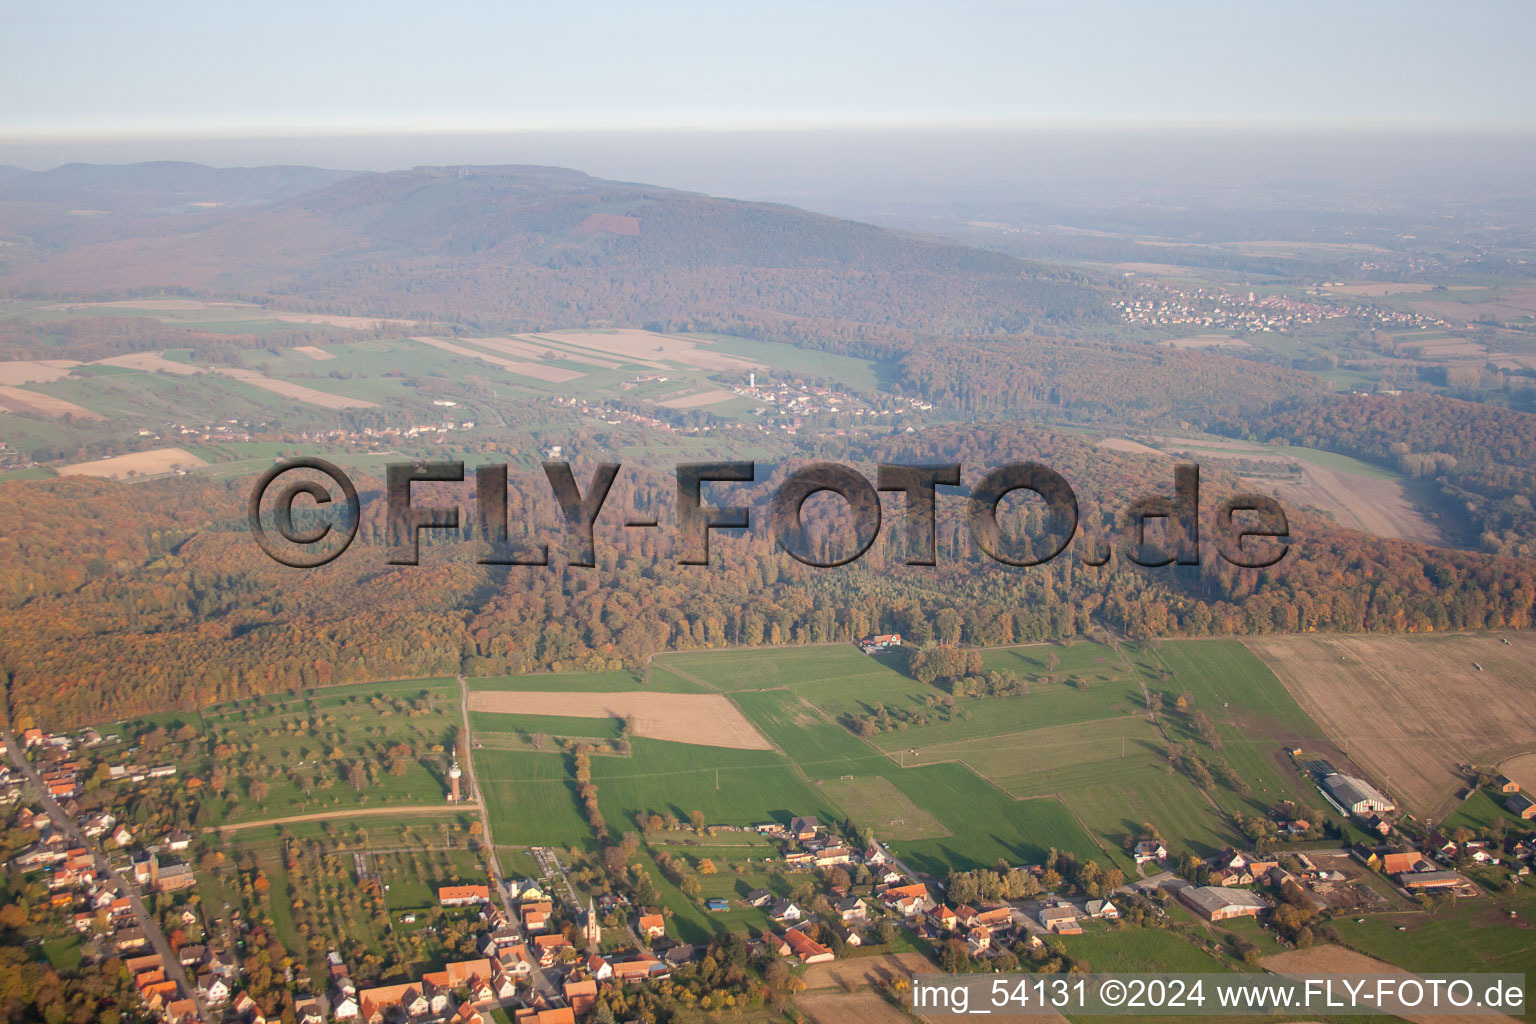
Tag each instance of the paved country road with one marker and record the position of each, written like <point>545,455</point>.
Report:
<point>538,979</point>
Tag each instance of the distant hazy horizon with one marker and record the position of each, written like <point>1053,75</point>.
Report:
<point>845,105</point>
<point>871,173</point>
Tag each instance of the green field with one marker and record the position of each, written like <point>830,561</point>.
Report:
<point>1481,811</point>
<point>532,799</point>
<point>1255,716</point>
<point>734,787</point>
<point>883,807</point>
<point>692,923</point>
<point>983,823</point>
<point>1469,935</point>
<point>1074,763</point>
<point>1080,734</point>
<point>494,729</point>
<point>587,682</point>
<point>1155,950</point>
<point>286,739</point>
<point>412,879</point>
<point>380,832</point>
<point>959,820</point>
<point>1049,759</point>
<point>819,665</point>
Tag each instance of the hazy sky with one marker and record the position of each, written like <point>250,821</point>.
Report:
<point>75,69</point>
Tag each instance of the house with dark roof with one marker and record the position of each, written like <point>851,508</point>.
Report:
<point>785,910</point>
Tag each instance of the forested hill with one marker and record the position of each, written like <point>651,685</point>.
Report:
<point>519,246</point>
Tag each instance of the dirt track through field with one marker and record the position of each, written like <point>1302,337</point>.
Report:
<point>21,400</point>
<point>1369,504</point>
<point>151,361</point>
<point>706,719</point>
<point>34,371</point>
<point>153,463</point>
<point>693,401</point>
<point>356,323</point>
<point>552,374</point>
<point>358,812</point>
<point>1329,959</point>
<point>541,350</point>
<point>849,1008</point>
<point>1121,444</point>
<point>1408,710</point>
<point>298,391</point>
<point>867,970</point>
<point>242,310</point>
<point>650,349</point>
<point>1372,504</point>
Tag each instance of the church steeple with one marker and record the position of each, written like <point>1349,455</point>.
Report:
<point>593,928</point>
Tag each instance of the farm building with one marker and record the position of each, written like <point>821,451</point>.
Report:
<point>1522,805</point>
<point>1057,919</point>
<point>1216,903</point>
<point>1356,795</point>
<point>1419,881</point>
<point>1397,863</point>
<point>1505,784</point>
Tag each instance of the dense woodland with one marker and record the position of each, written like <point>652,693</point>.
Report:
<point>130,598</point>
<point>1482,458</point>
<point>127,598</point>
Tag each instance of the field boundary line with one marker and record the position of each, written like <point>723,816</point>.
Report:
<point>355,812</point>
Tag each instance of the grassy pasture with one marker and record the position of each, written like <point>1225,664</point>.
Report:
<point>1049,706</point>
<point>1114,808</point>
<point>736,787</point>
<point>889,811</point>
<point>1041,760</point>
<point>1471,935</point>
<point>312,737</point>
<point>692,923</point>
<point>983,823</point>
<point>760,669</point>
<point>532,799</point>
<point>1156,950</point>
<point>491,728</point>
<point>589,682</point>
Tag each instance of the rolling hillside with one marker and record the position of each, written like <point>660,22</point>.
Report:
<point>519,246</point>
